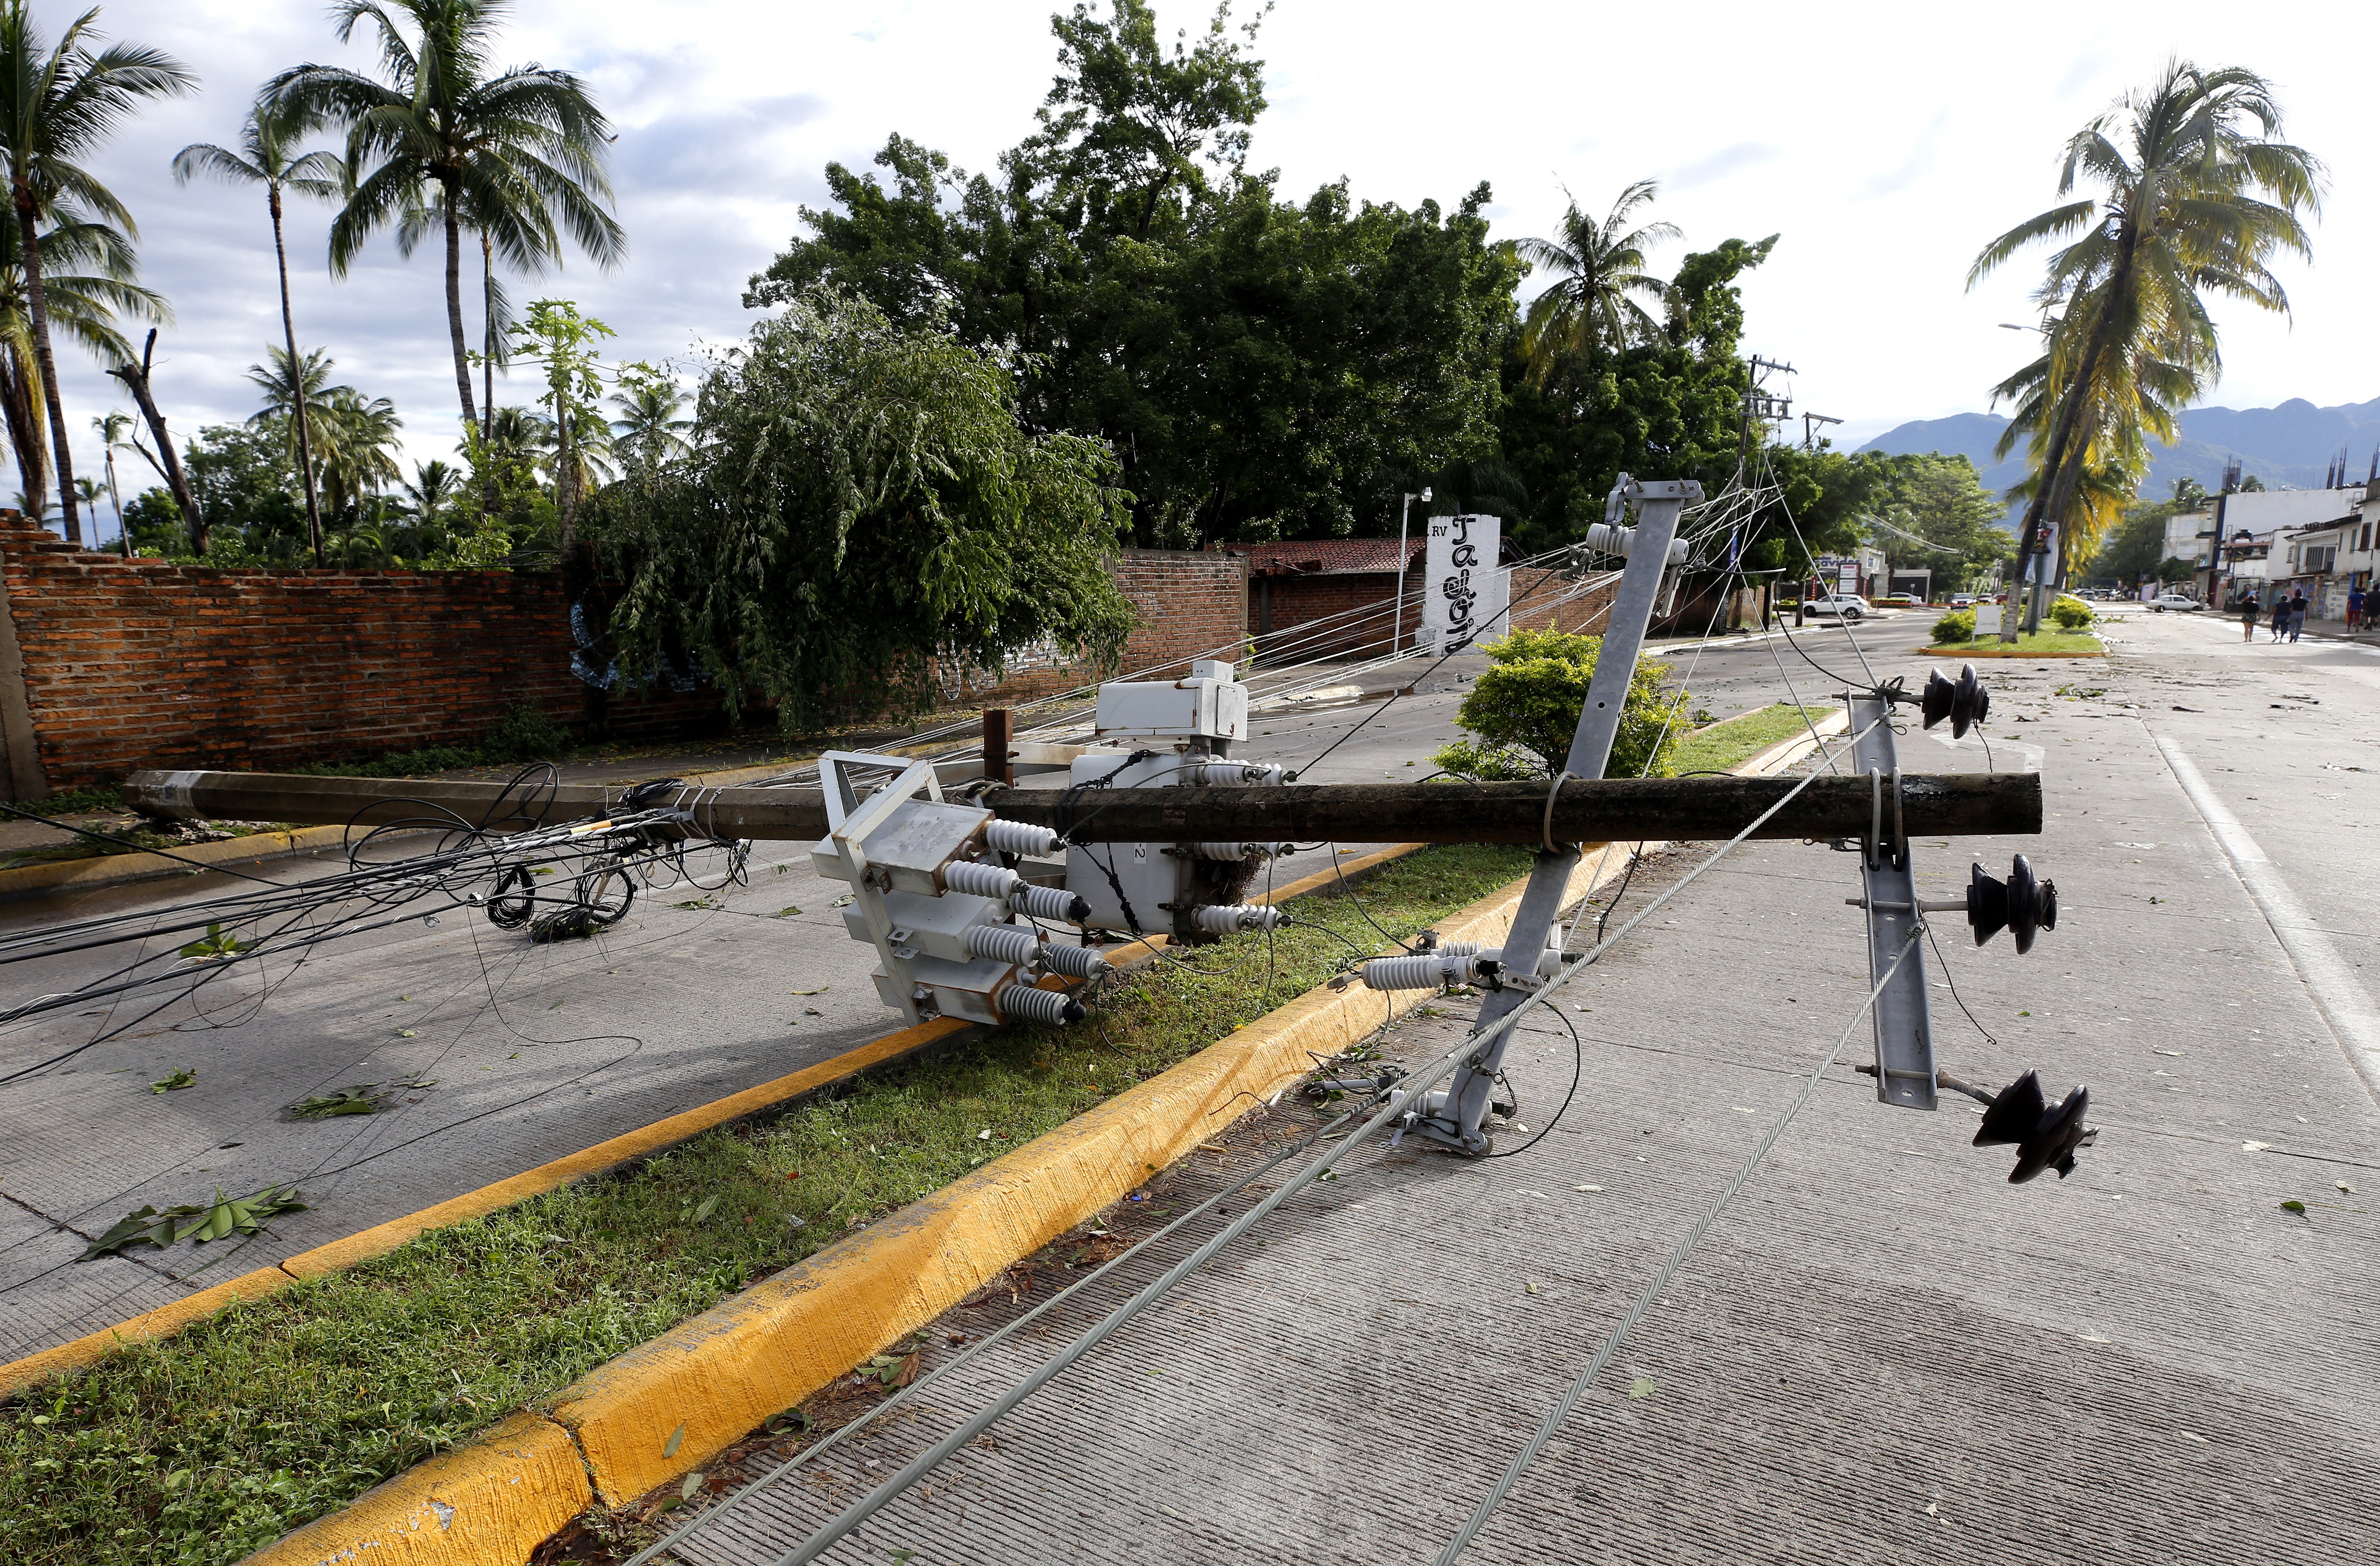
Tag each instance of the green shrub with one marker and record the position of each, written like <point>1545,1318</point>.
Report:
<point>1956,626</point>
<point>2071,613</point>
<point>1524,710</point>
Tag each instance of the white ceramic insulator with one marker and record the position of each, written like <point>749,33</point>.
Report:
<point>1019,838</point>
<point>1232,851</point>
<point>1425,970</point>
<point>1055,904</point>
<point>1004,943</point>
<point>1231,772</point>
<point>1074,962</point>
<point>1606,539</point>
<point>976,878</point>
<point>1025,1002</point>
<point>1226,919</point>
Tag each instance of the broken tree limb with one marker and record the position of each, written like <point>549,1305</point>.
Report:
<point>1605,810</point>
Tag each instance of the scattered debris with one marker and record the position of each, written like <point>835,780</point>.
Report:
<point>183,1078</point>
<point>1641,1387</point>
<point>199,1221</point>
<point>217,945</point>
<point>358,1099</point>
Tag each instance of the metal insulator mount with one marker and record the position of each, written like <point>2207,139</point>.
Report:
<point>1229,772</point>
<point>1608,538</point>
<point>1020,838</point>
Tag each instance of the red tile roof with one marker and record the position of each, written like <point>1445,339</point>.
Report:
<point>1326,557</point>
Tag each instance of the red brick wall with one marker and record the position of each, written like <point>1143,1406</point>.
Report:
<point>1190,604</point>
<point>146,664</point>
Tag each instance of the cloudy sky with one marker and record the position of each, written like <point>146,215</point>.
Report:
<point>1884,142</point>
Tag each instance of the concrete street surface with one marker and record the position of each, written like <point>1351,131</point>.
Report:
<point>1882,1351</point>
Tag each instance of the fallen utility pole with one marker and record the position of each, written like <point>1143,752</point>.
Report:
<point>1602,810</point>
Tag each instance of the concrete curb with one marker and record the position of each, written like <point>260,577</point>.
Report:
<point>2003,653</point>
<point>119,869</point>
<point>666,1408</point>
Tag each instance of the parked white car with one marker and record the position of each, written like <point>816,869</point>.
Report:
<point>2164,602</point>
<point>1962,601</point>
<point>1849,606</point>
<point>1901,601</point>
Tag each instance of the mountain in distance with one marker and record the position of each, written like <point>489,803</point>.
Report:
<point>2290,445</point>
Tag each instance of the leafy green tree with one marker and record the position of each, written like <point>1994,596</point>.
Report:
<point>268,156</point>
<point>649,430</point>
<point>2133,548</point>
<point>57,107</point>
<point>863,510</point>
<point>1936,515</point>
<point>1525,710</point>
<point>2195,203</point>
<point>1590,309</point>
<point>514,153</point>
<point>1673,407</point>
<point>1262,368</point>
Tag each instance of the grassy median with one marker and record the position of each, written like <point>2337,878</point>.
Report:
<point>1722,748</point>
<point>202,1448</point>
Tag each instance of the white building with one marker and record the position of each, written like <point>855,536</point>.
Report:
<point>2270,517</point>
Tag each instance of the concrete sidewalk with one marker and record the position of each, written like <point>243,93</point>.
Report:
<point>1882,1353</point>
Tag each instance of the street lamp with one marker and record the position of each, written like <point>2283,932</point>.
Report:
<point>1404,515</point>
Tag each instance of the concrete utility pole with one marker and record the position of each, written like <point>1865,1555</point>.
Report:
<point>1602,810</point>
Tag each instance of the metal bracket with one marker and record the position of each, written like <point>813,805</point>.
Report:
<point>1904,1024</point>
<point>1454,1116</point>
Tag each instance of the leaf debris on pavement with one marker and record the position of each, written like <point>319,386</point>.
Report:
<point>201,1220</point>
<point>357,1099</point>
<point>183,1078</point>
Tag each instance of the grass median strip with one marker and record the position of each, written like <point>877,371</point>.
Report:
<point>1722,748</point>
<point>204,1447</point>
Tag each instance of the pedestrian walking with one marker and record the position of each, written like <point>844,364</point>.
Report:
<point>2297,613</point>
<point>2280,621</point>
<point>2355,602</point>
<point>2249,615</point>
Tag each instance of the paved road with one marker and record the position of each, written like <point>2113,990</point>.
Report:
<point>1883,1352</point>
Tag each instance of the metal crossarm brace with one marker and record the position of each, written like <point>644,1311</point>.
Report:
<point>1455,1117</point>
<point>1904,1026</point>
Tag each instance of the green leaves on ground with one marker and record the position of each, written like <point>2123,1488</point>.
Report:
<point>1524,710</point>
<point>183,1078</point>
<point>216,945</point>
<point>360,1098</point>
<point>1642,1387</point>
<point>202,1222</point>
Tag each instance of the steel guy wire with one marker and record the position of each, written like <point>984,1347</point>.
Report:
<point>1414,1085</point>
<point>1586,1378</point>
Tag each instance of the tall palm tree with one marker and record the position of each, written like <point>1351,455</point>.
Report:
<point>56,106</point>
<point>528,243</point>
<point>360,455</point>
<point>648,431</point>
<point>434,487</point>
<point>1599,271</point>
<point>268,156</point>
<point>88,271</point>
<point>289,385</point>
<point>443,130</point>
<point>2195,203</point>
<point>113,426</point>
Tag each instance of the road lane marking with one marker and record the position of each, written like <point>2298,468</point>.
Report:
<point>2337,993</point>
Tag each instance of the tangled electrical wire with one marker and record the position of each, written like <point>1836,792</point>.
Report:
<point>498,864</point>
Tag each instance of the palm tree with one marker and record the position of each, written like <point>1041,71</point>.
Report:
<point>113,426</point>
<point>529,243</point>
<point>57,107</point>
<point>268,140</point>
<point>285,390</point>
<point>87,275</point>
<point>358,457</point>
<point>648,432</point>
<point>433,489</point>
<point>2194,203</point>
<point>520,148</point>
<point>1598,270</point>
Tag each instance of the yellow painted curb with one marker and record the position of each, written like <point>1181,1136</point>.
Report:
<point>489,1502</point>
<point>115,869</point>
<point>667,1407</point>
<point>163,1322</point>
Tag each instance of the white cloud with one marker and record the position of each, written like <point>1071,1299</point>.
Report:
<point>1884,143</point>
